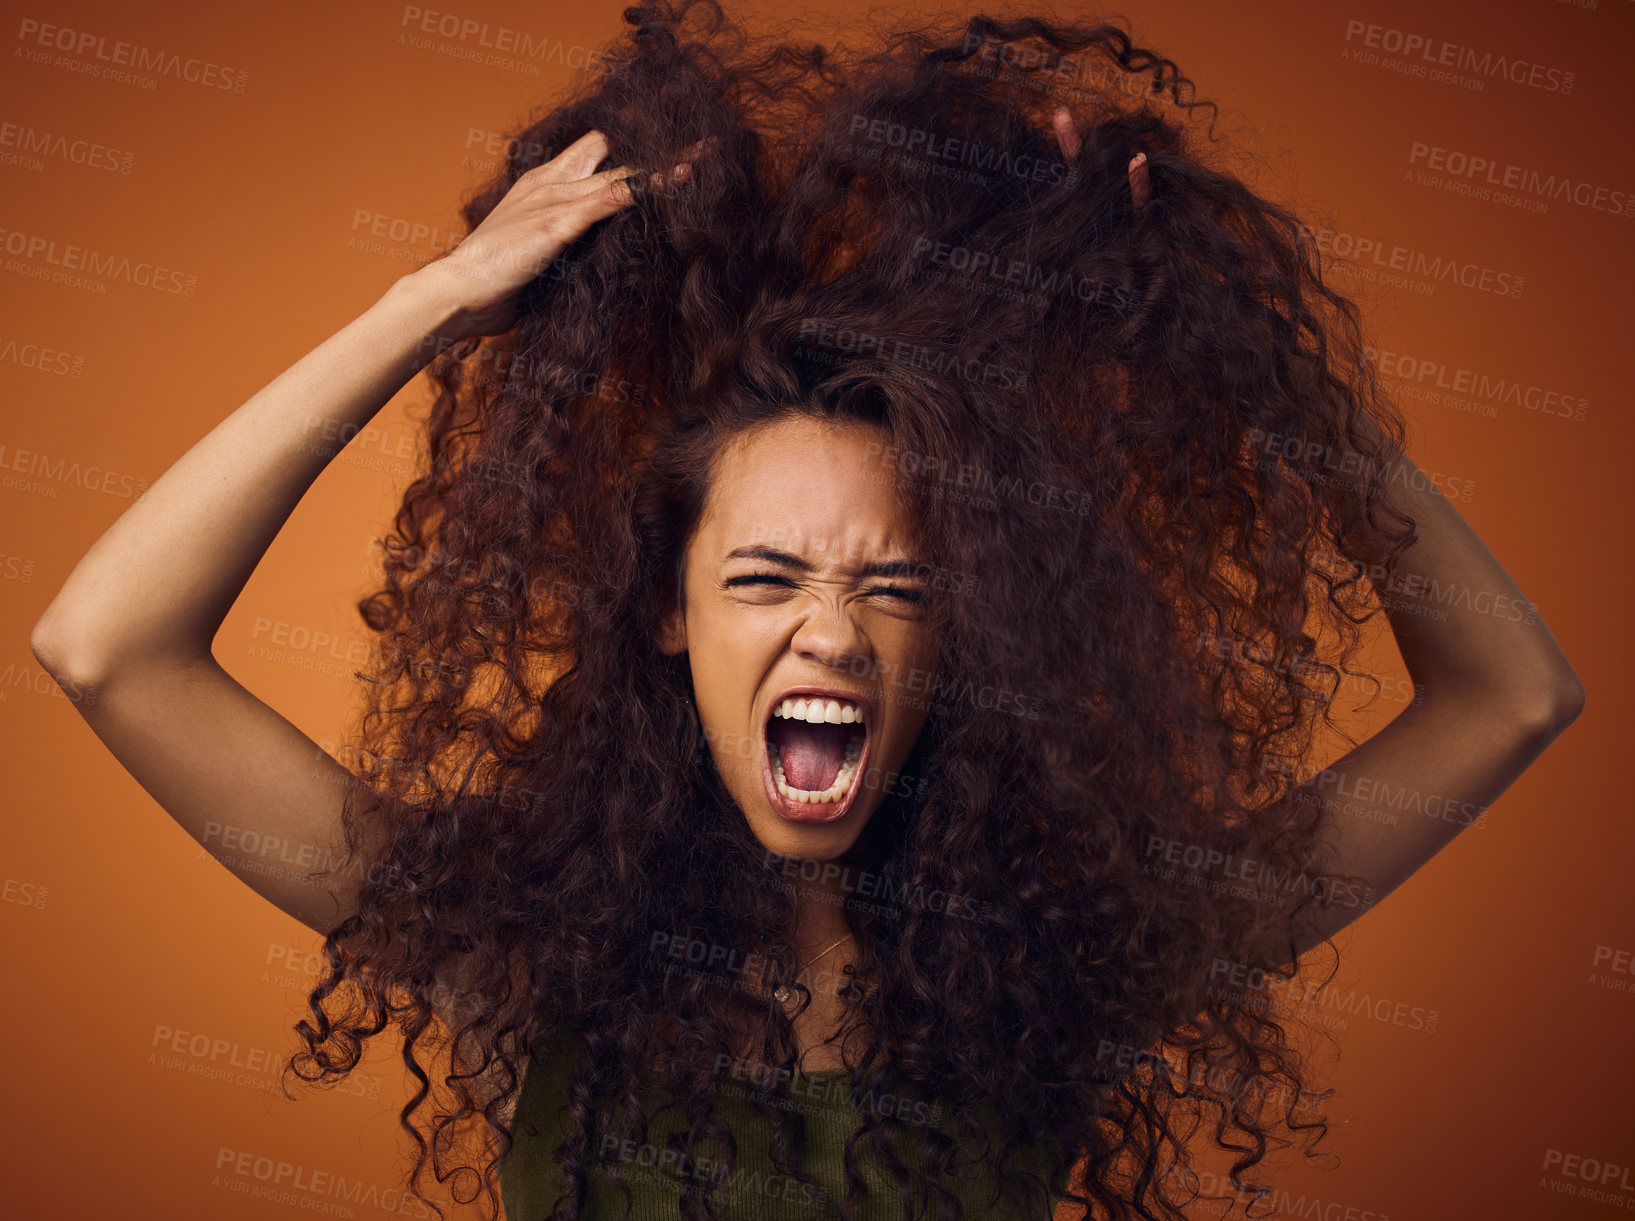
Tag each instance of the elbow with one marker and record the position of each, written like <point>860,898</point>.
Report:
<point>1549,707</point>
<point>45,642</point>
<point>1569,700</point>
<point>52,646</point>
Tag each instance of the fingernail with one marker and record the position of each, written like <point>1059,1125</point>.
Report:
<point>1138,159</point>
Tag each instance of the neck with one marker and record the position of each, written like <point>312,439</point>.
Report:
<point>822,889</point>
<point>820,913</point>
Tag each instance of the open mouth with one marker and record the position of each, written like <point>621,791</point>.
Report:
<point>815,752</point>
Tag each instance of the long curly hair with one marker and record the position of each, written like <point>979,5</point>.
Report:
<point>1118,426</point>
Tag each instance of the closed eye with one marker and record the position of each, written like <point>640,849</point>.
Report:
<point>907,595</point>
<point>911,596</point>
<point>759,578</point>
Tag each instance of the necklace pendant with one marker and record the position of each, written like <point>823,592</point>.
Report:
<point>781,994</point>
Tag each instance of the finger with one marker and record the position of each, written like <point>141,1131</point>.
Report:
<point>618,181</point>
<point>615,180</point>
<point>575,161</point>
<point>1066,136</point>
<point>684,168</point>
<point>692,153</point>
<point>1140,188</point>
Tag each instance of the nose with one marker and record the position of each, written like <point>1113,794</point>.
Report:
<point>828,635</point>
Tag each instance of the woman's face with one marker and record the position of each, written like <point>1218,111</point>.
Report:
<point>802,588</point>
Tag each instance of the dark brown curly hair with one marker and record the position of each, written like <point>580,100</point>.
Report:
<point>1076,395</point>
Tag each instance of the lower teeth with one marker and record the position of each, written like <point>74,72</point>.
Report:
<point>835,792</point>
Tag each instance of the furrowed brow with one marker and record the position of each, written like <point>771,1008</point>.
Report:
<point>770,555</point>
<point>894,568</point>
<point>783,559</point>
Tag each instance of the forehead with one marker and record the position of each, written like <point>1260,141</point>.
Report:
<point>816,489</point>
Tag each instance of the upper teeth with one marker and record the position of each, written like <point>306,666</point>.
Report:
<point>818,711</point>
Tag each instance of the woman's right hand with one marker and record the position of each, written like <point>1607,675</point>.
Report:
<point>544,212</point>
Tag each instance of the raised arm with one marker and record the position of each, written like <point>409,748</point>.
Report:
<point>131,629</point>
<point>1494,688</point>
<point>130,632</point>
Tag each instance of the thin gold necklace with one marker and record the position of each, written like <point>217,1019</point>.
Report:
<point>781,994</point>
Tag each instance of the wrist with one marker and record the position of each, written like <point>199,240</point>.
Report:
<point>427,301</point>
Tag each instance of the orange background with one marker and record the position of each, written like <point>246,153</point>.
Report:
<point>114,924</point>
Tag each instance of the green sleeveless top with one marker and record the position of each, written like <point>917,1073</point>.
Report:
<point>531,1178</point>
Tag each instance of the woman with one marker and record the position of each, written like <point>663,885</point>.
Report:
<point>845,670</point>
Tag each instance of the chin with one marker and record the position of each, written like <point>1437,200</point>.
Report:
<point>821,841</point>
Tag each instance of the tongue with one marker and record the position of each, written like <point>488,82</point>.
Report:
<point>812,754</point>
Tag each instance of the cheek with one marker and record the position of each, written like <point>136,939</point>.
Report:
<point>735,748</point>
<point>914,655</point>
<point>925,649</point>
<point>724,688</point>
<point>908,681</point>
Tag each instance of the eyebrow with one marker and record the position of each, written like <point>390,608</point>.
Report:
<point>771,555</point>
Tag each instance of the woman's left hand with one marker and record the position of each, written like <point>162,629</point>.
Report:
<point>1068,138</point>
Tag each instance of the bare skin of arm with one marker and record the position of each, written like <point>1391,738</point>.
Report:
<point>134,622</point>
<point>1494,687</point>
<point>133,625</point>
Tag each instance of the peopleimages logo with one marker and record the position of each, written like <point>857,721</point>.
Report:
<point>44,259</point>
<point>987,160</point>
<point>1486,173</point>
<point>119,60</point>
<point>1465,388</point>
<point>1443,58</point>
<point>1369,256</point>
<point>34,146</point>
<point>493,46</point>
